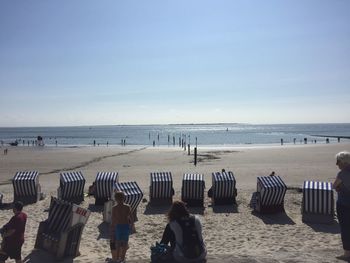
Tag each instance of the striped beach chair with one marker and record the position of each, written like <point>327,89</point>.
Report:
<point>223,190</point>
<point>133,197</point>
<point>104,184</point>
<point>269,196</point>
<point>61,233</point>
<point>71,187</point>
<point>192,191</point>
<point>161,189</point>
<point>318,202</point>
<point>26,187</point>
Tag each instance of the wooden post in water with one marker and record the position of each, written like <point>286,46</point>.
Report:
<point>195,156</point>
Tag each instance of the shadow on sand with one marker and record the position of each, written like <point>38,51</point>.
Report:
<point>325,228</point>
<point>39,256</point>
<point>275,219</point>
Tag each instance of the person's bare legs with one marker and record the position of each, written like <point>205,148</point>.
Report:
<point>123,250</point>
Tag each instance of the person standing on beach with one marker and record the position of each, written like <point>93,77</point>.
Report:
<point>120,228</point>
<point>13,235</point>
<point>342,186</point>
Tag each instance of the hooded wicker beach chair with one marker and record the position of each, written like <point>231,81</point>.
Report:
<point>223,190</point>
<point>26,187</point>
<point>61,233</point>
<point>269,196</point>
<point>104,184</point>
<point>133,197</point>
<point>71,187</point>
<point>192,191</point>
<point>318,202</point>
<point>161,189</point>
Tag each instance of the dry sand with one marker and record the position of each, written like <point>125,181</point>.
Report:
<point>230,235</point>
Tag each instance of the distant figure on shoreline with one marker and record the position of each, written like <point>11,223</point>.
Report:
<point>5,151</point>
<point>272,173</point>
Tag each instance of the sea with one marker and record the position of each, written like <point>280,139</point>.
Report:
<point>220,134</point>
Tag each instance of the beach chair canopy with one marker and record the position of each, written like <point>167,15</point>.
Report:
<point>71,184</point>
<point>272,190</point>
<point>104,184</point>
<point>60,215</point>
<point>193,186</point>
<point>133,193</point>
<point>318,197</point>
<point>161,185</point>
<point>224,185</point>
<point>25,183</point>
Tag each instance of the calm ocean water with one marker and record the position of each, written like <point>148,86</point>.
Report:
<point>206,134</point>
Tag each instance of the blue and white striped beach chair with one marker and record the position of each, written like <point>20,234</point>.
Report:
<point>61,233</point>
<point>192,192</point>
<point>161,189</point>
<point>133,197</point>
<point>223,190</point>
<point>104,184</point>
<point>270,194</point>
<point>26,187</point>
<point>318,202</point>
<point>71,187</point>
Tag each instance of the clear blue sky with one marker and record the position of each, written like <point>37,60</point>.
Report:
<point>86,62</point>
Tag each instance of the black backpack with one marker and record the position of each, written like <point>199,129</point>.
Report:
<point>192,247</point>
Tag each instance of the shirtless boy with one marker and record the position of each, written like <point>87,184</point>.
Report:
<point>120,228</point>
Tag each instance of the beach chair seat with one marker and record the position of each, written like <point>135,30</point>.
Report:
<point>104,184</point>
<point>26,187</point>
<point>61,233</point>
<point>269,197</point>
<point>318,202</point>
<point>223,190</point>
<point>133,197</point>
<point>161,189</point>
<point>71,187</point>
<point>192,191</point>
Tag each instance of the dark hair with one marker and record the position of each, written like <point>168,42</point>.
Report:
<point>178,210</point>
<point>18,205</point>
<point>119,196</point>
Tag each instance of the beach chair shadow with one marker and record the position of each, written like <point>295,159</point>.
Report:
<point>39,256</point>
<point>224,209</point>
<point>274,219</point>
<point>103,229</point>
<point>333,228</point>
<point>6,206</point>
<point>156,210</point>
<point>196,210</point>
<point>95,208</point>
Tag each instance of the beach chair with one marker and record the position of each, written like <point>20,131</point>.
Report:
<point>318,202</point>
<point>192,191</point>
<point>133,197</point>
<point>223,190</point>
<point>71,187</point>
<point>61,233</point>
<point>26,187</point>
<point>104,183</point>
<point>269,195</point>
<point>161,189</point>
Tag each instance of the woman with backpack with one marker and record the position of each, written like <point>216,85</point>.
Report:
<point>184,233</point>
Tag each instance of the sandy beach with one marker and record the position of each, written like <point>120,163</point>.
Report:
<point>230,235</point>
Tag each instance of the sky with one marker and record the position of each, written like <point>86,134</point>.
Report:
<point>84,62</point>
